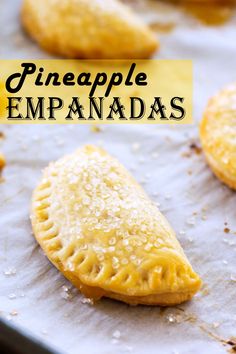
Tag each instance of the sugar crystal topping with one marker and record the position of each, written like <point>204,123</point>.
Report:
<point>103,201</point>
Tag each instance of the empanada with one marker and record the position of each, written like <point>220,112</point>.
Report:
<point>218,135</point>
<point>2,162</point>
<point>91,29</point>
<point>99,228</point>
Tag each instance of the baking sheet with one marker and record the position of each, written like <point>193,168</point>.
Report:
<point>165,159</point>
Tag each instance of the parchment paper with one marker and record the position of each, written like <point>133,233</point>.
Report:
<point>175,175</point>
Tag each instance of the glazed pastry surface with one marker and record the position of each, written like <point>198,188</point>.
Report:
<point>99,228</point>
<point>218,135</point>
<point>91,29</point>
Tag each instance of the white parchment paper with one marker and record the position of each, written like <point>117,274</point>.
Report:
<point>197,205</point>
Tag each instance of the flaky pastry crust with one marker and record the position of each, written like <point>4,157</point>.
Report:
<point>98,227</point>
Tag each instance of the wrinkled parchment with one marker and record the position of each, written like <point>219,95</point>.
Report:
<point>174,175</point>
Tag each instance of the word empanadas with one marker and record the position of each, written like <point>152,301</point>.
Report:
<point>218,135</point>
<point>99,228</point>
<point>91,29</point>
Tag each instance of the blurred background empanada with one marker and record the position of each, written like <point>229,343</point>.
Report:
<point>218,135</point>
<point>88,29</point>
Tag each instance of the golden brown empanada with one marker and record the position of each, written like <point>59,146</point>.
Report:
<point>218,135</point>
<point>99,228</point>
<point>91,29</point>
<point>2,162</point>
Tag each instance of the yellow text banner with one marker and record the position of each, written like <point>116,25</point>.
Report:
<point>96,92</point>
